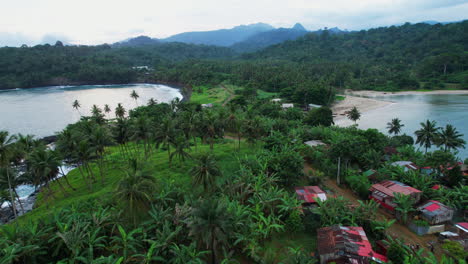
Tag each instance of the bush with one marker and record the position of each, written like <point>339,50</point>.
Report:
<point>294,222</point>
<point>358,183</point>
<point>455,249</point>
<point>322,116</point>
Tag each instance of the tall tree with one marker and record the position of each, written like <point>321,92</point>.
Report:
<point>394,127</point>
<point>211,224</point>
<point>427,135</point>
<point>120,111</point>
<point>6,150</point>
<point>76,105</point>
<point>107,109</point>
<point>205,171</point>
<point>135,96</point>
<point>354,114</point>
<point>450,138</point>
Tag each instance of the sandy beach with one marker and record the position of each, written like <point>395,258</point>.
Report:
<point>377,93</point>
<point>362,104</point>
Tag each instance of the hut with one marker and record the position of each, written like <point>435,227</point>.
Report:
<point>434,212</point>
<point>207,105</point>
<point>346,245</point>
<point>286,106</point>
<point>276,100</point>
<point>314,143</point>
<point>309,194</point>
<point>406,165</point>
<point>384,193</point>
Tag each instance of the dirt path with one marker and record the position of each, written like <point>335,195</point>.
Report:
<point>397,230</point>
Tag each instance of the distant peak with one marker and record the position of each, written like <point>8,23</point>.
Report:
<point>298,26</point>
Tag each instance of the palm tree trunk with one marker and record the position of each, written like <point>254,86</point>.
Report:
<point>84,177</point>
<point>65,176</point>
<point>19,201</point>
<point>61,187</point>
<point>11,192</point>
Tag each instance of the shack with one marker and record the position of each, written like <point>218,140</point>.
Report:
<point>384,193</point>
<point>435,212</point>
<point>310,194</point>
<point>346,245</point>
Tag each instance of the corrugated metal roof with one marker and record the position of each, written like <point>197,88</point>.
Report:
<point>391,187</point>
<point>309,194</point>
<point>346,241</point>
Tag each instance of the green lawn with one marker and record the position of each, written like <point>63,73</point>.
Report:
<point>216,95</point>
<point>265,95</point>
<point>225,151</point>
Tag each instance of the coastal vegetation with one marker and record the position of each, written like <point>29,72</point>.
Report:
<point>178,183</point>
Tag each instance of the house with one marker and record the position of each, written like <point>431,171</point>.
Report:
<point>384,193</point>
<point>309,194</point>
<point>345,245</point>
<point>286,106</point>
<point>276,100</point>
<point>462,231</point>
<point>314,143</point>
<point>434,212</point>
<point>207,105</point>
<point>313,106</point>
<point>406,165</point>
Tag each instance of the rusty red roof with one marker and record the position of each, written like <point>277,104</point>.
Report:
<point>350,242</point>
<point>309,194</point>
<point>390,187</point>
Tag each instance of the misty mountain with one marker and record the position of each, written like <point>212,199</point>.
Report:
<point>268,38</point>
<point>138,41</point>
<point>221,37</point>
<point>277,36</point>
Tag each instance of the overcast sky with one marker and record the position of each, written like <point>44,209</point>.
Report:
<point>108,21</point>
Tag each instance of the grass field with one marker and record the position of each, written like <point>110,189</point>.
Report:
<point>225,152</point>
<point>216,95</point>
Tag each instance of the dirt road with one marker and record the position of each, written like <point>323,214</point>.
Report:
<point>397,230</point>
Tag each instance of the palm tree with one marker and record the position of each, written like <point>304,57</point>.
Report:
<point>120,111</point>
<point>97,114</point>
<point>107,109</point>
<point>44,166</point>
<point>135,96</point>
<point>394,127</point>
<point>426,136</point>
<point>450,138</point>
<point>100,137</point>
<point>354,114</point>
<point>9,177</point>
<point>180,146</point>
<point>211,224</point>
<point>152,101</point>
<point>165,134</point>
<point>404,205</point>
<point>142,132</point>
<point>6,150</point>
<point>76,105</point>
<point>205,171</point>
<point>135,188</point>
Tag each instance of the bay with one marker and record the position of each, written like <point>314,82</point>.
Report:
<point>46,110</point>
<point>414,109</point>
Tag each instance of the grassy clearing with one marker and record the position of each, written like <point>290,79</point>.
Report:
<point>265,95</point>
<point>340,97</point>
<point>225,151</point>
<point>216,95</point>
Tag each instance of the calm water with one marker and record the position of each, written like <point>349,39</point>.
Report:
<point>414,109</point>
<point>44,111</point>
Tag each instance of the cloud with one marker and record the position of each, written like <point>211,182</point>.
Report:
<point>95,22</point>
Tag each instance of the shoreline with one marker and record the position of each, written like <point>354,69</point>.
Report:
<point>381,93</point>
<point>363,104</point>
